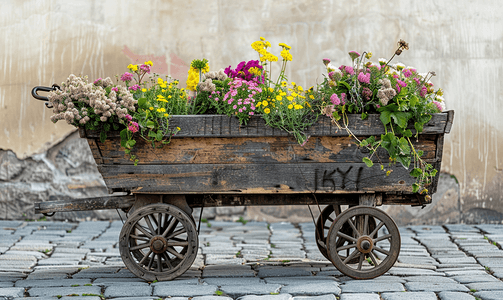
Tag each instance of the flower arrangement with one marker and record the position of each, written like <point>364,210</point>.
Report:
<point>140,104</point>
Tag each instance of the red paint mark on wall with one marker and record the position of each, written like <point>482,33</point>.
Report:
<point>176,68</point>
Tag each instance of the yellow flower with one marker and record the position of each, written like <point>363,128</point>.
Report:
<point>178,128</point>
<point>166,115</point>
<point>286,55</point>
<point>311,96</point>
<point>300,88</point>
<point>258,104</point>
<point>283,83</point>
<point>151,108</point>
<point>298,106</point>
<point>290,106</point>
<point>267,110</point>
<point>163,90</point>
<point>272,90</point>
<point>295,94</point>
<point>160,81</point>
<point>279,97</point>
<point>289,98</point>
<point>267,44</point>
<point>148,63</point>
<point>144,90</point>
<point>265,103</point>
<point>169,96</point>
<point>293,83</point>
<point>282,94</point>
<point>161,110</point>
<point>134,68</point>
<point>262,39</point>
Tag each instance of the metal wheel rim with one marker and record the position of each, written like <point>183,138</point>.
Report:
<point>356,246</point>
<point>154,252</point>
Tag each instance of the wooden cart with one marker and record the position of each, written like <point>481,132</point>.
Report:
<point>213,161</point>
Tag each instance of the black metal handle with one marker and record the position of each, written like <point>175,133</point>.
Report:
<point>35,90</point>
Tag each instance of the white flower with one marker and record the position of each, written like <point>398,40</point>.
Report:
<point>399,66</point>
<point>331,67</point>
<point>383,61</point>
<point>440,98</point>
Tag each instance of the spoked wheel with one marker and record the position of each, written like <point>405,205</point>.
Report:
<point>325,220</point>
<point>158,242</point>
<point>363,254</point>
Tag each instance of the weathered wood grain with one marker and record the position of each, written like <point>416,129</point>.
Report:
<point>253,150</point>
<point>255,178</point>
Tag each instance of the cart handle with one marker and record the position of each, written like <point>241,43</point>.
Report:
<point>34,93</point>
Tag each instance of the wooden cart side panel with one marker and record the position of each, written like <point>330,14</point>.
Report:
<point>255,178</point>
<point>223,126</point>
<point>263,150</point>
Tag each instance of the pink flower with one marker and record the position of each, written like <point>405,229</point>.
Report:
<point>115,89</point>
<point>354,55</point>
<point>305,142</point>
<point>398,89</point>
<point>439,106</point>
<point>133,127</point>
<point>343,98</point>
<point>364,78</point>
<point>145,68</point>
<point>251,113</point>
<point>407,73</point>
<point>234,107</point>
<point>423,91</point>
<point>97,81</point>
<point>326,61</point>
<point>335,99</point>
<point>134,87</point>
<point>418,82</point>
<point>127,76</point>
<point>401,83</point>
<point>128,117</point>
<point>349,70</point>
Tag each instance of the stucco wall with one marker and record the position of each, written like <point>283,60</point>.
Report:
<point>462,41</point>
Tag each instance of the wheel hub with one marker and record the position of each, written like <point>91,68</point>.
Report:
<point>365,244</point>
<point>158,244</point>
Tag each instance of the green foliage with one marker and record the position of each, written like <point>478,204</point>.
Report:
<point>242,220</point>
<point>219,293</point>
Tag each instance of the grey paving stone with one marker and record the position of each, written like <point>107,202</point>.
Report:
<point>233,281</point>
<point>455,296</point>
<point>51,283</point>
<point>206,298</point>
<point>434,279</point>
<point>298,279</point>
<point>360,296</point>
<point>228,271</point>
<point>121,280</point>
<point>282,271</point>
<point>130,291</point>
<point>313,288</point>
<point>489,295</point>
<point>435,287</point>
<point>11,292</point>
<point>251,289</point>
<point>364,287</point>
<point>413,272</point>
<point>409,296</point>
<point>266,297</point>
<point>79,298</point>
<point>486,286</point>
<point>322,297</point>
<point>462,272</point>
<point>63,291</point>
<point>475,278</point>
<point>184,290</point>
<point>148,298</point>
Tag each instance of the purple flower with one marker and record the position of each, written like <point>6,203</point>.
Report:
<point>134,87</point>
<point>364,78</point>
<point>126,77</point>
<point>335,99</point>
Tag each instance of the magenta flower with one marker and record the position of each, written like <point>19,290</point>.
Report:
<point>354,55</point>
<point>364,78</point>
<point>115,89</point>
<point>418,82</point>
<point>423,91</point>
<point>126,77</point>
<point>134,87</point>
<point>145,68</point>
<point>398,89</point>
<point>439,106</point>
<point>128,117</point>
<point>97,81</point>
<point>133,127</point>
<point>335,99</point>
<point>349,70</point>
<point>407,73</point>
<point>401,83</point>
<point>326,61</point>
<point>343,98</point>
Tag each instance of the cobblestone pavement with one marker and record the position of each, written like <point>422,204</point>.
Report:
<point>252,261</point>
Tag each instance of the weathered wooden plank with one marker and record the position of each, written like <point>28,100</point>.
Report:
<point>255,179</point>
<point>95,150</point>
<point>107,202</point>
<point>201,125</point>
<point>262,150</point>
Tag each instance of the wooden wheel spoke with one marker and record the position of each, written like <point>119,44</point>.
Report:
<point>326,227</point>
<point>346,247</point>
<point>145,257</point>
<point>381,250</point>
<point>166,259</point>
<point>381,224</point>
<point>384,237</point>
<point>159,218</point>
<point>172,244</point>
<point>174,252</point>
<point>347,237</point>
<point>170,228</point>
<point>140,228</point>
<point>149,224</point>
<point>159,263</point>
<point>353,227</point>
<point>360,262</point>
<point>351,256</point>
<point>365,225</point>
<point>373,258</point>
<point>178,232</point>
<point>138,247</point>
<point>139,237</point>
<point>151,262</point>
<point>330,219</point>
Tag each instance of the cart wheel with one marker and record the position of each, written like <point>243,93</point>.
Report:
<point>325,220</point>
<point>363,244</point>
<point>158,242</point>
